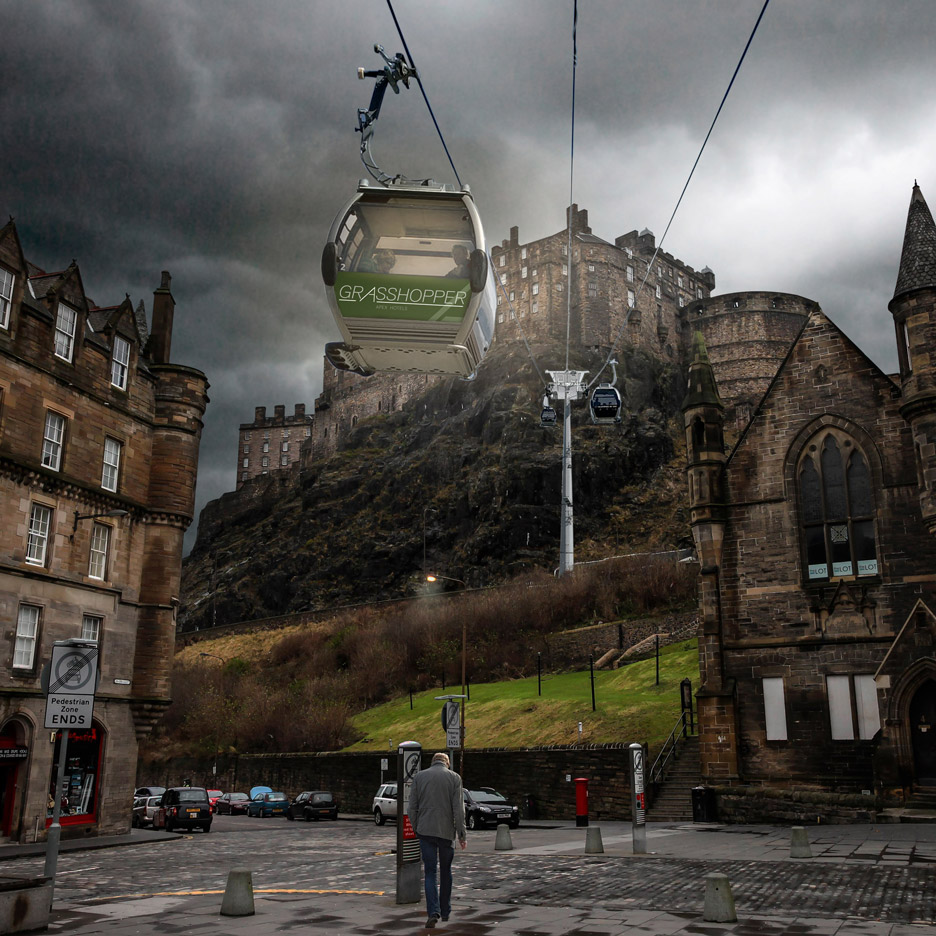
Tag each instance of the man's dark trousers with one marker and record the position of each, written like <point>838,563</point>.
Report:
<point>437,851</point>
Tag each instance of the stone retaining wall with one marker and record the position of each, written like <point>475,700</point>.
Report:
<point>745,805</point>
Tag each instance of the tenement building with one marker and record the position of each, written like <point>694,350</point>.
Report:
<point>815,532</point>
<point>99,439</point>
<point>271,444</point>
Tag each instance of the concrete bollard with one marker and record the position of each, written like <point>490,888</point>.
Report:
<point>593,844</point>
<point>719,904</point>
<point>503,841</point>
<point>799,843</point>
<point>238,895</point>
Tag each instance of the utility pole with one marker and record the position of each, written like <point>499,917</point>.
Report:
<point>566,386</point>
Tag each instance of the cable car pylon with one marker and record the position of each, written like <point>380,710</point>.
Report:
<point>566,386</point>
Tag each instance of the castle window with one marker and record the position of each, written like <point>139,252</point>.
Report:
<point>6,297</point>
<point>284,460</point>
<point>308,432</point>
<point>284,447</point>
<point>503,279</point>
<point>523,254</point>
<point>120,362</point>
<point>534,309</point>
<point>535,289</point>
<point>592,290</point>
<point>679,280</point>
<point>27,637</point>
<point>502,259</point>
<point>246,449</point>
<point>243,476</point>
<point>631,299</point>
<point>564,250</point>
<point>774,709</point>
<point>843,691</point>
<point>630,274</point>
<point>533,273</point>
<point>659,291</point>
<point>500,318</point>
<point>906,338</point>
<point>246,463</point>
<point>246,436</point>
<point>265,462</point>
<point>629,252</point>
<point>837,510</point>
<point>266,435</point>
<point>111,467</point>
<point>100,540</point>
<point>698,292</point>
<point>523,273</point>
<point>266,446</point>
<point>682,302</point>
<point>66,321</point>
<point>511,295</point>
<point>591,267</point>
<point>37,539</point>
<point>53,440</point>
<point>565,269</point>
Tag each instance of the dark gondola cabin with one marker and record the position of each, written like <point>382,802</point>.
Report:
<point>408,281</point>
<point>605,405</point>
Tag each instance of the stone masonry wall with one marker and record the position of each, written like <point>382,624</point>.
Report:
<point>545,774</point>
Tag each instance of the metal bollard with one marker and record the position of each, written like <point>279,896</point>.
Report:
<point>238,894</point>
<point>503,842</point>
<point>719,904</point>
<point>799,843</point>
<point>593,844</point>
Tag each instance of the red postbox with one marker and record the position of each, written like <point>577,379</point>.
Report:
<point>581,801</point>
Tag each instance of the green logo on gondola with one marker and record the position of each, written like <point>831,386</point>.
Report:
<point>416,298</point>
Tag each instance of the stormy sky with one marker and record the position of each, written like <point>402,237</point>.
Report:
<point>215,139</point>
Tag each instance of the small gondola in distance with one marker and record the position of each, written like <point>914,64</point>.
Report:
<point>408,281</point>
<point>548,417</point>
<point>605,405</point>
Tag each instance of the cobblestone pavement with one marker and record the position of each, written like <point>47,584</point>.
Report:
<point>874,877</point>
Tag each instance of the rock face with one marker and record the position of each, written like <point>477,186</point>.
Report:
<point>463,482</point>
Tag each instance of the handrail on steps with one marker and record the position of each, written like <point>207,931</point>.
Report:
<point>670,749</point>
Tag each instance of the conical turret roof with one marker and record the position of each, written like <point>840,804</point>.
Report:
<point>918,258</point>
<point>703,390</point>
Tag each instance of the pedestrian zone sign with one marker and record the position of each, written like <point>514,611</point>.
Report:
<point>72,681</point>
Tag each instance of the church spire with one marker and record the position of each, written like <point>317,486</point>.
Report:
<point>918,257</point>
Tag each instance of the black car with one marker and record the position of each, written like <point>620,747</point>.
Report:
<point>313,804</point>
<point>184,808</point>
<point>232,804</point>
<point>487,807</point>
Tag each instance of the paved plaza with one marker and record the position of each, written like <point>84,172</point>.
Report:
<point>339,877</point>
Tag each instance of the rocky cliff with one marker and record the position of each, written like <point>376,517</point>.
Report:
<point>463,481</point>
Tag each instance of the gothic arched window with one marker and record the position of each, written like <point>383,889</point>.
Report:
<point>837,509</point>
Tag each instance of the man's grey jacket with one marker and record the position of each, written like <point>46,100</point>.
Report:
<point>436,806</point>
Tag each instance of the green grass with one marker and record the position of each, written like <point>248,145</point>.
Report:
<point>629,707</point>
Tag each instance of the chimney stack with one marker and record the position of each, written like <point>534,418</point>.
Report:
<point>160,341</point>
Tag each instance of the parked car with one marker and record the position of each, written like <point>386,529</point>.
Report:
<point>149,791</point>
<point>183,808</point>
<point>144,810</point>
<point>313,804</point>
<point>213,797</point>
<point>486,806</point>
<point>268,804</point>
<point>385,803</point>
<point>232,804</point>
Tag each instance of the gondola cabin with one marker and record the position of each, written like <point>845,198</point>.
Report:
<point>408,281</point>
<point>548,417</point>
<point>605,405</point>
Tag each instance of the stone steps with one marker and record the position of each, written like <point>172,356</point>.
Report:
<point>673,802</point>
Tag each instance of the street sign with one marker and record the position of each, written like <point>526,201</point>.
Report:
<point>452,726</point>
<point>72,679</point>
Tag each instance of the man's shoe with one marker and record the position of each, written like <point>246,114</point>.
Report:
<point>445,919</point>
<point>431,922</point>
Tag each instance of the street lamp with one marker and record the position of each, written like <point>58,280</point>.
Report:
<point>449,578</point>
<point>94,516</point>
<point>214,769</point>
<point>215,655</point>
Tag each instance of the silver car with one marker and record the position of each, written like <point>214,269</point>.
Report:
<point>385,803</point>
<point>144,809</point>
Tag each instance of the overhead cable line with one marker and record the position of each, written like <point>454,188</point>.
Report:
<point>396,23</point>
<point>571,177</point>
<point>683,192</point>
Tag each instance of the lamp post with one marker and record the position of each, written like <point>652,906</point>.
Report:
<point>214,769</point>
<point>464,673</point>
<point>94,516</point>
<point>215,655</point>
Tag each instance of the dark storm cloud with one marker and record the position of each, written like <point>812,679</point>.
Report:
<point>215,139</point>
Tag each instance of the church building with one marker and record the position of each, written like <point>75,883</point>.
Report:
<point>816,535</point>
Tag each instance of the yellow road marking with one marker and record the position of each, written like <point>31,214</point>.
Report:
<point>264,890</point>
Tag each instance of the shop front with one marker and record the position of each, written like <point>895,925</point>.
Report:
<point>13,756</point>
<point>80,793</point>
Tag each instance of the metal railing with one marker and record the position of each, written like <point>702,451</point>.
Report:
<point>670,750</point>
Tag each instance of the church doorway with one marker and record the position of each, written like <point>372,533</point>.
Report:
<point>923,732</point>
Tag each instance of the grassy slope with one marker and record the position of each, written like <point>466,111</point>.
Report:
<point>630,707</point>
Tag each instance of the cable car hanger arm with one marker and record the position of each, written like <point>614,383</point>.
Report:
<point>395,71</point>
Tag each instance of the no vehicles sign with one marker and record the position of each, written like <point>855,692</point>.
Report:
<point>71,683</point>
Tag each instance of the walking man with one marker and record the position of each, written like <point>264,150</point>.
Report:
<point>437,811</point>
